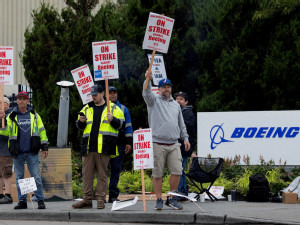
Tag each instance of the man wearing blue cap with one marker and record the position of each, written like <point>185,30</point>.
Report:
<point>167,124</point>
<point>124,147</point>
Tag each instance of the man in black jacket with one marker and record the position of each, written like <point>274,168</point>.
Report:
<point>190,122</point>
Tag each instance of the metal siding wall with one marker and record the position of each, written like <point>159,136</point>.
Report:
<point>15,17</point>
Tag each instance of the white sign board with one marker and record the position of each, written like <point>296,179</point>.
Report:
<point>142,149</point>
<point>105,59</point>
<point>158,33</point>
<point>84,81</point>
<point>271,134</point>
<point>6,65</point>
<point>158,68</point>
<point>155,90</point>
<point>27,185</point>
<point>123,204</point>
<point>216,191</point>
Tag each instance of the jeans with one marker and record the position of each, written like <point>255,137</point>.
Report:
<point>116,167</point>
<point>182,183</point>
<point>34,169</point>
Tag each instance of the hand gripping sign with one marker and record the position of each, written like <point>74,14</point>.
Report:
<point>84,81</point>
<point>158,68</point>
<point>142,154</point>
<point>157,36</point>
<point>105,59</point>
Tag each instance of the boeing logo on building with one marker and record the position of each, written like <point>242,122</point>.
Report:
<point>217,136</point>
<point>217,133</point>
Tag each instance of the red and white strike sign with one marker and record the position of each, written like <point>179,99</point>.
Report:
<point>158,33</point>
<point>105,59</point>
<point>142,149</point>
<point>84,81</point>
<point>6,65</point>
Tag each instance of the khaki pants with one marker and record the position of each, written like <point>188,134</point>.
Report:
<point>91,163</point>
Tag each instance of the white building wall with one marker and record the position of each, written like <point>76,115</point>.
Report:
<point>15,17</point>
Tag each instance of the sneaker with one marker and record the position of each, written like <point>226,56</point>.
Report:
<point>21,205</point>
<point>83,204</point>
<point>100,204</point>
<point>41,204</point>
<point>159,204</point>
<point>172,202</point>
<point>112,199</point>
<point>7,199</point>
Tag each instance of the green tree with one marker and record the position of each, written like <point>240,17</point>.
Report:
<point>247,53</point>
<point>60,42</point>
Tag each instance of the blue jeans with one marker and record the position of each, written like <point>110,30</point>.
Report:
<point>116,167</point>
<point>34,169</point>
<point>182,183</point>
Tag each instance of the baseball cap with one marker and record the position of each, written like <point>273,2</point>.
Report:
<point>23,94</point>
<point>112,88</point>
<point>96,89</point>
<point>182,94</point>
<point>163,82</point>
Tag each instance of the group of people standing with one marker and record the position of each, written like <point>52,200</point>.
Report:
<point>107,137</point>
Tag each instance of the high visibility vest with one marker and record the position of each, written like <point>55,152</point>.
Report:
<point>107,136</point>
<point>36,127</point>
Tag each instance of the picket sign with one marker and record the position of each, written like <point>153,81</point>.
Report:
<point>105,59</point>
<point>27,185</point>
<point>158,68</point>
<point>157,36</point>
<point>2,104</point>
<point>142,154</point>
<point>6,72</point>
<point>84,81</point>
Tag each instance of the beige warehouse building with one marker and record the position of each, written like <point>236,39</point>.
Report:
<point>15,17</point>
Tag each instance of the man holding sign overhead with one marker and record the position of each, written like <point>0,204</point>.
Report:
<point>99,142</point>
<point>166,121</point>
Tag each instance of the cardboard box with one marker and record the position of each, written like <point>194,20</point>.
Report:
<point>56,173</point>
<point>289,197</point>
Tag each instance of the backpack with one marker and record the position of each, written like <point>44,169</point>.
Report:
<point>259,190</point>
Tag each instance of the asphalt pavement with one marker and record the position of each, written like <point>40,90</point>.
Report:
<point>220,212</point>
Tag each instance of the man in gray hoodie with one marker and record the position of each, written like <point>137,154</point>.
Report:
<point>167,124</point>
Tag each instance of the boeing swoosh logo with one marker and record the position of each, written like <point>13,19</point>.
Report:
<point>217,136</point>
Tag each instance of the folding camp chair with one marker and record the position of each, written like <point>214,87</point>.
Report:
<point>205,170</point>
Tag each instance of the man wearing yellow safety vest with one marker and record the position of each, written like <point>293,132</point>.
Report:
<point>27,137</point>
<point>99,143</point>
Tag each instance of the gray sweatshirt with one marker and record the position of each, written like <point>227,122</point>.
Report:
<point>165,118</point>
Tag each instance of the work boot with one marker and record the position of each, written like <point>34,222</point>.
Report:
<point>83,204</point>
<point>41,204</point>
<point>100,204</point>
<point>112,199</point>
<point>21,205</point>
<point>7,199</point>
